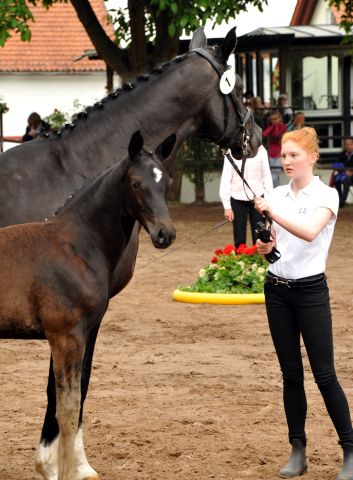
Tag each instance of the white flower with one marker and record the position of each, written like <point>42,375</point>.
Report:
<point>262,278</point>
<point>260,270</point>
<point>202,273</point>
<point>253,266</point>
<point>212,266</point>
<point>240,277</point>
<point>223,268</point>
<point>241,264</point>
<point>216,276</point>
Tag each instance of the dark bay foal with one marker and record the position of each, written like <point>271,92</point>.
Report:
<point>55,280</point>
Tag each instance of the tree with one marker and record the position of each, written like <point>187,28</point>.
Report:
<point>347,18</point>
<point>196,160</point>
<point>152,28</point>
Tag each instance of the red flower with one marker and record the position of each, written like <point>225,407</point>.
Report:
<point>214,260</point>
<point>228,249</point>
<point>241,248</point>
<point>217,252</point>
<point>249,251</point>
<point>55,109</point>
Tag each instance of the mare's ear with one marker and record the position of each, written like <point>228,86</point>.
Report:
<point>136,144</point>
<point>229,44</point>
<point>198,40</point>
<point>165,148</point>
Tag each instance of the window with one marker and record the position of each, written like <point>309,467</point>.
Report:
<point>314,82</point>
<point>327,130</point>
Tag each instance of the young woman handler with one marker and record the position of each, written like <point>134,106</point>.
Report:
<point>304,213</point>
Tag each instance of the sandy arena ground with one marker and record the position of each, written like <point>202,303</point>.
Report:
<point>181,391</point>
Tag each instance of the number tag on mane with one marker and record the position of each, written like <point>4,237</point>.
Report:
<point>227,82</point>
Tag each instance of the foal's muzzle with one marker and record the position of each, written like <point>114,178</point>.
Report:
<point>162,236</point>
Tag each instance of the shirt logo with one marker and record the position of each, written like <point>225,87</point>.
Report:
<point>302,210</point>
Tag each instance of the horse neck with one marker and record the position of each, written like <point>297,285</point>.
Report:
<point>105,136</point>
<point>98,217</point>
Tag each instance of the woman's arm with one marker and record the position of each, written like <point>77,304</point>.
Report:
<point>267,131</point>
<point>306,231</point>
<point>226,184</point>
<point>266,173</point>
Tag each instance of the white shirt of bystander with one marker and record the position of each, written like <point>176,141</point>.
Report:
<point>257,173</point>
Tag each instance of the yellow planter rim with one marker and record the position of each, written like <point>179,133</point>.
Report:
<point>218,298</point>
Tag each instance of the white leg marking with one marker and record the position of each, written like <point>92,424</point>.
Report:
<point>46,460</point>
<point>157,174</point>
<point>83,469</point>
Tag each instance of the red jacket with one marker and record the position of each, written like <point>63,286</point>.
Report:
<point>275,144</point>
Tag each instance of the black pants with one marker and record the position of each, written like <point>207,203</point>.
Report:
<point>240,209</point>
<point>345,186</point>
<point>347,183</point>
<point>306,311</point>
<point>338,184</point>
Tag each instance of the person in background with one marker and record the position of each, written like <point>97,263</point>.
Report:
<point>276,129</point>
<point>259,108</point>
<point>298,122</point>
<point>36,126</point>
<point>235,202</point>
<point>286,112</point>
<point>304,214</point>
<point>249,97</point>
<point>258,120</point>
<point>345,178</point>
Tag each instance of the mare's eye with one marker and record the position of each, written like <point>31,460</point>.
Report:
<point>135,186</point>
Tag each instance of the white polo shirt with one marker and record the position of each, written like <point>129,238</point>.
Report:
<point>300,258</point>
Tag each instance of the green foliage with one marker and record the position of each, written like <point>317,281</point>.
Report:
<point>188,15</point>
<point>231,273</point>
<point>196,159</point>
<point>58,118</point>
<point>346,22</point>
<point>14,15</point>
<point>3,107</point>
<point>185,16</point>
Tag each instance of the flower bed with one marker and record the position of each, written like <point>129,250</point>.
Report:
<point>231,271</point>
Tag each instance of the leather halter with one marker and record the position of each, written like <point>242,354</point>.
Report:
<point>225,144</point>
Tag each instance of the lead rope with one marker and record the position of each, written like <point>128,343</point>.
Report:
<point>175,249</point>
<point>263,233</point>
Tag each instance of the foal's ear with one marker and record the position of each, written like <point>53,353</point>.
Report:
<point>136,144</point>
<point>165,148</point>
<point>229,44</point>
<point>198,40</point>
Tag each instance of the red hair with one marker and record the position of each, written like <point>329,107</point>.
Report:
<point>306,138</point>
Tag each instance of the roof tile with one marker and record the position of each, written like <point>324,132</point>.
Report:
<point>58,37</point>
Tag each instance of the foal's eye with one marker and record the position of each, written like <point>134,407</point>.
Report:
<point>135,186</point>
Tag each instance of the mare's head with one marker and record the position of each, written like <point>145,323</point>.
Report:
<point>146,189</point>
<point>231,133</point>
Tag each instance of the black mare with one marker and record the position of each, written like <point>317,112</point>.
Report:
<point>182,97</point>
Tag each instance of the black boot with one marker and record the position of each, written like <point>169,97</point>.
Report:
<point>297,464</point>
<point>346,472</point>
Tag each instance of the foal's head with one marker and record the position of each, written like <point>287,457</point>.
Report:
<point>146,189</point>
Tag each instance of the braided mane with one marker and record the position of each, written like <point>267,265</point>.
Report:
<point>118,93</point>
